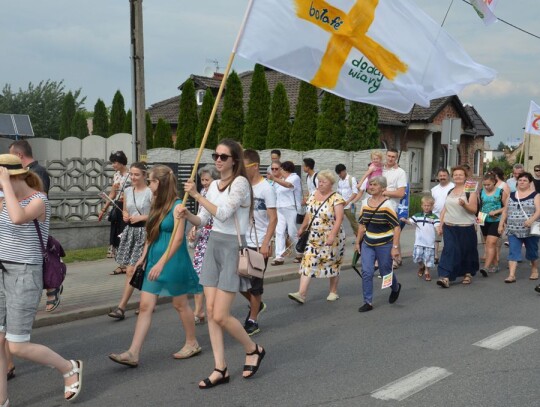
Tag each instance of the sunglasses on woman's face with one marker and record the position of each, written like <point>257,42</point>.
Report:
<point>274,169</point>
<point>222,157</point>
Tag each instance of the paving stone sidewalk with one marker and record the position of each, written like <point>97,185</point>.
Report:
<point>90,290</point>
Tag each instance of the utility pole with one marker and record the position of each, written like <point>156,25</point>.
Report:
<point>137,76</point>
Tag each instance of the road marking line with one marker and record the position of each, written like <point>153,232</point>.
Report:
<point>505,337</point>
<point>411,384</point>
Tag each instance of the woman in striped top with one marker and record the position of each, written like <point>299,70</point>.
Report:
<point>378,240</point>
<point>21,264</point>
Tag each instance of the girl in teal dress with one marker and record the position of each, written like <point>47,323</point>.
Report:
<point>171,275</point>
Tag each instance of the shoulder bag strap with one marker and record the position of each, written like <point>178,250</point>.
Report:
<point>374,212</point>
<point>38,230</point>
<point>135,201</point>
<point>318,209</point>
<point>521,207</point>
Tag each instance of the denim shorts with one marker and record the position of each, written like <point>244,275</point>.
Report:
<point>531,247</point>
<point>21,286</point>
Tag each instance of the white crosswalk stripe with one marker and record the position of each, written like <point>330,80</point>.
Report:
<point>505,337</point>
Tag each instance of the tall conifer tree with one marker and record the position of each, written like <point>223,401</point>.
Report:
<point>149,132</point>
<point>127,128</point>
<point>331,122</point>
<point>118,114</point>
<point>362,127</point>
<point>204,116</point>
<point>101,119</point>
<point>231,124</point>
<point>304,127</point>
<point>256,128</point>
<point>279,125</point>
<point>67,116</point>
<point>187,118</point>
<point>79,126</point>
<point>162,135</point>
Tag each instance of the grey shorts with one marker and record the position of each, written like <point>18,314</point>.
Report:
<point>220,264</point>
<point>21,286</point>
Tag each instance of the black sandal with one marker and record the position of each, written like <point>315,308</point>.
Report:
<point>118,270</point>
<point>117,313</point>
<point>224,379</point>
<point>11,373</point>
<point>56,301</point>
<point>253,368</point>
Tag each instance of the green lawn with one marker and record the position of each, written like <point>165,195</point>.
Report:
<point>95,253</point>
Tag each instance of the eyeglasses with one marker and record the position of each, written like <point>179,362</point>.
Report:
<point>537,169</point>
<point>222,157</point>
<point>274,169</point>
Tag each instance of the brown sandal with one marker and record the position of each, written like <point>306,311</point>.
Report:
<point>443,282</point>
<point>421,271</point>
<point>427,276</point>
<point>467,279</point>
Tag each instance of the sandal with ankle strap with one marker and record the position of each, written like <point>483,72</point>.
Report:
<point>253,368</point>
<point>75,388</point>
<point>224,379</point>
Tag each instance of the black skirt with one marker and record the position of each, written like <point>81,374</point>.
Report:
<point>460,252</point>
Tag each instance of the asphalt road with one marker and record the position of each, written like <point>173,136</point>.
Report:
<point>320,353</point>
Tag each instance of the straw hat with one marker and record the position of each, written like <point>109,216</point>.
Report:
<point>13,164</point>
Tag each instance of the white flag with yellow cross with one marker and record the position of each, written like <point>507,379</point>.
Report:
<point>383,52</point>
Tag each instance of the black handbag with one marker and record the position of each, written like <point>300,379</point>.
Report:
<point>303,239</point>
<point>138,278</point>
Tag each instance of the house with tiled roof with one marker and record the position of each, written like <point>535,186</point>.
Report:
<point>420,132</point>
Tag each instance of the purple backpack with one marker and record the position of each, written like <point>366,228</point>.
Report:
<point>54,269</point>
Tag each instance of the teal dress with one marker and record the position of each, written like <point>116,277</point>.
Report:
<point>178,276</point>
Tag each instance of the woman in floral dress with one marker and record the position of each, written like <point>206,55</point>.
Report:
<point>199,238</point>
<point>326,244</point>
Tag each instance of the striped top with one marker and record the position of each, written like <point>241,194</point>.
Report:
<point>20,243</point>
<point>380,229</point>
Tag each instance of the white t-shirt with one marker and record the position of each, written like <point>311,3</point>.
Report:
<point>287,197</point>
<point>395,178</point>
<point>235,199</point>
<point>347,187</point>
<point>439,193</point>
<point>264,197</point>
<point>311,183</point>
<point>141,204</point>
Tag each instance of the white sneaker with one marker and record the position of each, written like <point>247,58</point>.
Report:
<point>297,297</point>
<point>332,297</point>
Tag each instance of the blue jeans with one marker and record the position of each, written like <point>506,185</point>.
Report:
<point>383,255</point>
<point>531,247</point>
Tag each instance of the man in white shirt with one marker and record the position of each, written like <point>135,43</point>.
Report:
<point>258,236</point>
<point>348,190</point>
<point>439,193</point>
<point>396,179</point>
<point>311,176</point>
<point>517,170</point>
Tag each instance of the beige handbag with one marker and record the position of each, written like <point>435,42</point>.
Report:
<point>250,262</point>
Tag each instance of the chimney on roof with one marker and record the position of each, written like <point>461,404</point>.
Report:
<point>218,75</point>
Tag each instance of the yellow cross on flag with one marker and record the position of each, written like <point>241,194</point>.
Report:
<point>384,52</point>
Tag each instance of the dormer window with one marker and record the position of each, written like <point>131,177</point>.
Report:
<point>200,96</point>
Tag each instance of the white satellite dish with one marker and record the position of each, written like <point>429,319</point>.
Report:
<point>208,71</point>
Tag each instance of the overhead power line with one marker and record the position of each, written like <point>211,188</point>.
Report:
<point>510,24</point>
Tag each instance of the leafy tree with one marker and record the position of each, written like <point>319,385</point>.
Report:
<point>331,122</point>
<point>256,128</point>
<point>127,128</point>
<point>118,114</point>
<point>149,132</point>
<point>362,131</point>
<point>279,125</point>
<point>187,118</point>
<point>502,163</point>
<point>42,102</point>
<point>101,119</point>
<point>162,136</point>
<point>231,124</point>
<point>502,147</point>
<point>305,122</point>
<point>67,116</point>
<point>204,116</point>
<point>79,126</point>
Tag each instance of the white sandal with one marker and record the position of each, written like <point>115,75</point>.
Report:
<point>6,403</point>
<point>76,387</point>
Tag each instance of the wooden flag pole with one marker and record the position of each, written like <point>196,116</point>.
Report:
<point>211,120</point>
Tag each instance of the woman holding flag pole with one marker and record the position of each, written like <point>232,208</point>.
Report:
<point>229,202</point>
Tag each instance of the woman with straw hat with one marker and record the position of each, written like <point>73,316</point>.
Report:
<point>21,263</point>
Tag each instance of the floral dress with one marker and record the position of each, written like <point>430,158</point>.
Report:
<point>201,240</point>
<point>320,260</point>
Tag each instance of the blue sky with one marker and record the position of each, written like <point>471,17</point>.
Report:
<point>87,45</point>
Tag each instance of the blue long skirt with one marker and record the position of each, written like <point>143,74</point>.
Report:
<point>460,252</point>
